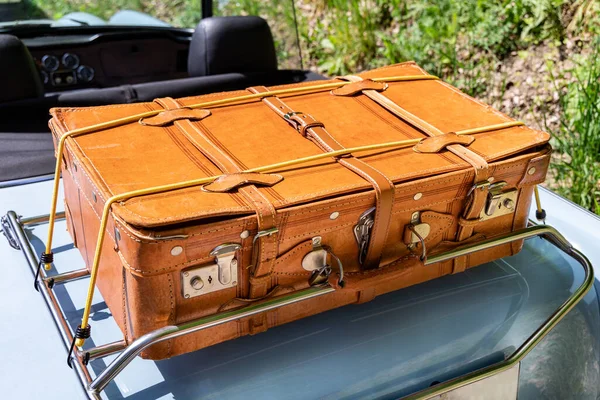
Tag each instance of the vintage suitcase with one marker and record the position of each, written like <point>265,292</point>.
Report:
<point>417,168</point>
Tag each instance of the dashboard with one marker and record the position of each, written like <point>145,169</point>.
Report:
<point>109,59</point>
<point>64,71</point>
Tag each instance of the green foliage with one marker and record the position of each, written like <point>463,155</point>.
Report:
<point>347,39</point>
<point>577,170</point>
<point>440,35</point>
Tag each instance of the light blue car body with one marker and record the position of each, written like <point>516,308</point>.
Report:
<point>395,345</point>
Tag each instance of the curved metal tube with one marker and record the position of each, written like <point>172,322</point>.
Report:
<point>51,302</point>
<point>541,332</point>
<point>173,331</point>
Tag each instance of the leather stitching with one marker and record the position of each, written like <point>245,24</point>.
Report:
<point>319,231</point>
<point>302,246</point>
<point>171,312</point>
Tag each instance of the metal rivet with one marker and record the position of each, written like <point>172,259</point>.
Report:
<point>244,234</point>
<point>187,296</point>
<point>531,171</point>
<point>186,274</point>
<point>94,197</point>
<point>418,196</point>
<point>491,179</point>
<point>177,250</point>
<point>316,241</point>
<point>233,283</point>
<point>197,283</point>
<point>334,215</point>
<point>508,203</point>
<point>234,263</point>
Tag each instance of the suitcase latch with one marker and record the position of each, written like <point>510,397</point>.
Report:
<point>416,231</point>
<point>222,274</point>
<point>316,262</point>
<point>362,232</point>
<point>499,202</point>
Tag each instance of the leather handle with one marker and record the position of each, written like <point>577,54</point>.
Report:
<point>435,144</point>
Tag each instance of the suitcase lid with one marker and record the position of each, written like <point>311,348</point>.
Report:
<point>134,156</point>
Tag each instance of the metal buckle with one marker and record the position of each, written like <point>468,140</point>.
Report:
<point>9,234</point>
<point>288,116</point>
<point>259,234</point>
<point>480,185</point>
<point>362,232</point>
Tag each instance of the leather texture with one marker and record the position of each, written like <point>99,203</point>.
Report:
<point>222,45</point>
<point>152,240</point>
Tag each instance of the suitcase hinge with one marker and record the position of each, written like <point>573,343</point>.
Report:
<point>416,231</point>
<point>499,202</point>
<point>316,262</point>
<point>362,232</point>
<point>222,274</point>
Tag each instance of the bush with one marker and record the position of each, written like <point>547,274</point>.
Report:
<point>577,168</point>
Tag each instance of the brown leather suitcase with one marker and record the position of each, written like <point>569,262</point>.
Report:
<point>417,168</point>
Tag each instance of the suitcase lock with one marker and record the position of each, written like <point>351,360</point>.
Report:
<point>498,202</point>
<point>222,274</point>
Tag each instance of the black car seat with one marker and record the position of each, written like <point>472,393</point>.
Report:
<point>25,146</point>
<point>225,53</point>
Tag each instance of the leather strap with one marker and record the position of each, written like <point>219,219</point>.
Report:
<point>384,187</point>
<point>266,215</point>
<point>480,189</point>
<point>480,165</point>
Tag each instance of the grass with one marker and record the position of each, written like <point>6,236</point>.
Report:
<point>577,171</point>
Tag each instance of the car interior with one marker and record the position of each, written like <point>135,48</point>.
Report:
<point>121,66</point>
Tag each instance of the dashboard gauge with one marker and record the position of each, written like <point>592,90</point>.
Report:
<point>70,61</point>
<point>85,73</point>
<point>44,76</point>
<point>50,63</point>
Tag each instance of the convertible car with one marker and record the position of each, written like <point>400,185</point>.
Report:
<point>525,327</point>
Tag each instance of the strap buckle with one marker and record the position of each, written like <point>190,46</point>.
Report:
<point>481,185</point>
<point>288,116</point>
<point>259,234</point>
<point>295,124</point>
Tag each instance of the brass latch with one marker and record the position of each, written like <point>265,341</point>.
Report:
<point>498,202</point>
<point>416,231</point>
